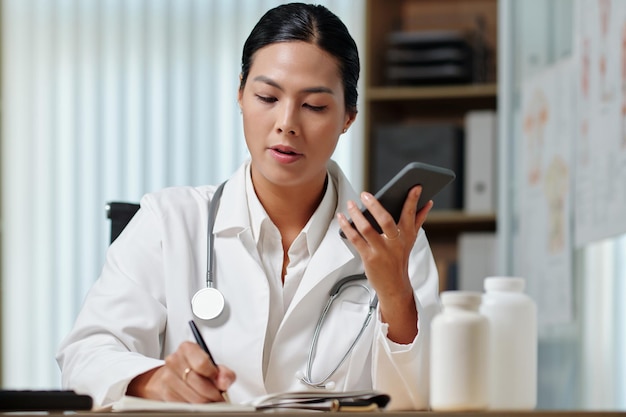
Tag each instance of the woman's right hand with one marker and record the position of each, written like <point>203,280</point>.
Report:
<point>187,376</point>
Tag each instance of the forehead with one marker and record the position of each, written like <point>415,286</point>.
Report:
<point>298,62</point>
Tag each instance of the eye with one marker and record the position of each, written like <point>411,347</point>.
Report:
<point>266,99</point>
<point>315,108</point>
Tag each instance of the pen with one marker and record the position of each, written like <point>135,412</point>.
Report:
<point>203,345</point>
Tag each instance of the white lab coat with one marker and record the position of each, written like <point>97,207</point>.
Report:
<point>138,310</point>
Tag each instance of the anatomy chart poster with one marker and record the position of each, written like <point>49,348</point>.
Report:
<point>600,176</point>
<point>548,115</point>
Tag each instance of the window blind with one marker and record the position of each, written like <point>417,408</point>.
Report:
<point>107,100</point>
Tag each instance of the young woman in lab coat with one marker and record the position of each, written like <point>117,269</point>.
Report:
<point>278,253</point>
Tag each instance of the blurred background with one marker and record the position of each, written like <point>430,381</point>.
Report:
<point>105,100</point>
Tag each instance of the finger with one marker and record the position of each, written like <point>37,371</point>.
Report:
<point>174,386</point>
<point>422,214</point>
<point>213,389</point>
<point>177,362</point>
<point>361,224</point>
<point>410,216</point>
<point>384,219</point>
<point>201,389</point>
<point>409,208</point>
<point>352,235</point>
<point>226,378</point>
<point>204,378</point>
<point>193,375</point>
<point>379,213</point>
<point>199,360</point>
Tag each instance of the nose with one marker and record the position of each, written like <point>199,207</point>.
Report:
<point>287,121</point>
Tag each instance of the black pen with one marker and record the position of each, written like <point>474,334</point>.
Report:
<point>203,345</point>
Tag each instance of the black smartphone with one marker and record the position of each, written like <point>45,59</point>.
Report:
<point>432,179</point>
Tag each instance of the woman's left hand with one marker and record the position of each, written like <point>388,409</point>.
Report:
<point>386,257</point>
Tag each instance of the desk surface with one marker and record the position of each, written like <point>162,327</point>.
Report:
<point>283,413</point>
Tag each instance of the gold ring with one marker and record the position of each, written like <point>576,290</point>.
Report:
<point>392,238</point>
<point>186,373</point>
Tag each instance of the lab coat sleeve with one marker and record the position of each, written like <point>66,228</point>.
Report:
<point>117,334</point>
<point>403,370</point>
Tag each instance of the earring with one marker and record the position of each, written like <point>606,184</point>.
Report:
<point>345,130</point>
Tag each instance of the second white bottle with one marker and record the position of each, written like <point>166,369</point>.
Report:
<point>512,319</point>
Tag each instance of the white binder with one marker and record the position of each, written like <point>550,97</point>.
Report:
<point>478,253</point>
<point>480,161</point>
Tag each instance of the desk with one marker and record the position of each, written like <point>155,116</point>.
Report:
<point>282,413</point>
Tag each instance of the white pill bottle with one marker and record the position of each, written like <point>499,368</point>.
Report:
<point>512,319</point>
<point>459,354</point>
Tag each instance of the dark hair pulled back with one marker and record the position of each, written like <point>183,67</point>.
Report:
<point>313,24</point>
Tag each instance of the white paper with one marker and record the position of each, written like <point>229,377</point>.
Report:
<point>129,403</point>
<point>600,177</point>
<point>545,184</point>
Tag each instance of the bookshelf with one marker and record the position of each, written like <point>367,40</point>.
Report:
<point>389,103</point>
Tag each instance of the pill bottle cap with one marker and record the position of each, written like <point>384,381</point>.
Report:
<point>464,299</point>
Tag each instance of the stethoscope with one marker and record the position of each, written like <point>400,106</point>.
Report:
<point>335,291</point>
<point>208,303</point>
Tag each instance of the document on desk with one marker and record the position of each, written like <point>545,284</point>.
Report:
<point>305,400</point>
<point>129,403</point>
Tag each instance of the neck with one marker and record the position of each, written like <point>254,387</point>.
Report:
<point>290,208</point>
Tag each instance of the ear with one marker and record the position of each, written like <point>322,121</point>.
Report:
<point>240,92</point>
<point>349,119</point>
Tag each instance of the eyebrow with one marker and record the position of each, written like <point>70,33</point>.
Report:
<point>269,81</point>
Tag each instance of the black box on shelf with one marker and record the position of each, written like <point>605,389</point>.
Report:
<point>433,143</point>
<point>433,57</point>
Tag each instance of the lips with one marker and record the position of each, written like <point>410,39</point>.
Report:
<point>285,154</point>
<point>285,150</point>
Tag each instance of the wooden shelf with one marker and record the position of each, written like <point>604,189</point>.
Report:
<point>454,222</point>
<point>454,92</point>
<point>388,104</point>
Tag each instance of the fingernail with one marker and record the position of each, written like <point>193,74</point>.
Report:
<point>366,196</point>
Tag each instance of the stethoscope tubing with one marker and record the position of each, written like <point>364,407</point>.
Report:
<point>334,293</point>
<point>213,207</point>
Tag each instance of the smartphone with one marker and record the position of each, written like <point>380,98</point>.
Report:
<point>432,179</point>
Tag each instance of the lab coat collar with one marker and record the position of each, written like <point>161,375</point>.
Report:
<point>333,252</point>
<point>233,210</point>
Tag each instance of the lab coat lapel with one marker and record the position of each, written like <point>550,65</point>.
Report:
<point>332,260</point>
<point>333,253</point>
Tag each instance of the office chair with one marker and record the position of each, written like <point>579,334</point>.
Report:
<point>120,214</point>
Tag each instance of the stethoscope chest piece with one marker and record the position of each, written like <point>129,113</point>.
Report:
<point>207,303</point>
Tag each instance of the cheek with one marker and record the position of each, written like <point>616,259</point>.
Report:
<point>251,122</point>
<point>254,121</point>
<point>329,129</point>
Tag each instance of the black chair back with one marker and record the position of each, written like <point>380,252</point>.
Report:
<point>120,214</point>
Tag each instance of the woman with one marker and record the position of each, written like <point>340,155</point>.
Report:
<point>278,253</point>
